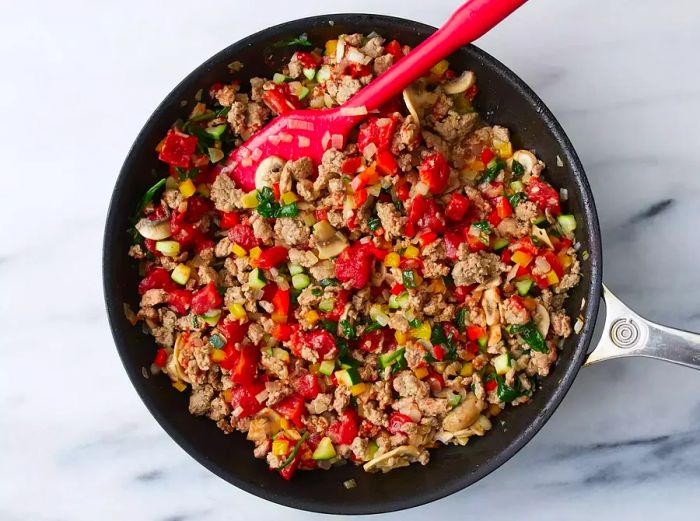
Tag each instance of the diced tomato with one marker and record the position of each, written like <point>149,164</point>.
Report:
<point>231,358</point>
<point>341,299</point>
<point>397,421</point>
<point>434,172</point>
<point>243,371</point>
<point>487,155</point>
<point>177,148</point>
<point>243,398</point>
<point>292,408</point>
<point>375,341</point>
<point>276,191</point>
<point>403,190</point>
<point>425,214</point>
<point>475,332</point>
<point>281,302</point>
<point>278,99</point>
<point>372,132</point>
<point>386,163</point>
<point>435,379</point>
<point>503,207</point>
<point>344,430</point>
<point>543,195</point>
<point>161,357</point>
<point>289,471</point>
<point>397,289</point>
<point>271,257</point>
<point>307,385</point>
<point>228,220</point>
<point>282,332</point>
<point>359,197</point>
<point>233,330</point>
<point>357,70</point>
<point>318,340</point>
<point>351,165</point>
<point>506,256</point>
<point>205,299</point>
<point>439,352</point>
<point>475,243</point>
<point>473,348</point>
<point>427,238</point>
<point>493,218</point>
<point>308,60</point>
<point>461,293</point>
<point>180,299</point>
<point>157,278</point>
<point>321,215</point>
<point>471,93</point>
<point>457,207</point>
<point>394,48</point>
<point>452,241</point>
<point>354,265</point>
<point>243,235</point>
<point>490,385</point>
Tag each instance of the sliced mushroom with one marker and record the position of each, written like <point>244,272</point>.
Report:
<point>333,248</point>
<point>460,84</point>
<point>463,415</point>
<point>155,230</point>
<point>173,368</point>
<point>541,235</point>
<point>495,334</point>
<point>417,99</point>
<point>541,319</point>
<point>265,424</point>
<point>324,233</point>
<point>399,457</point>
<point>489,302</point>
<point>525,158</point>
<point>266,167</point>
<point>478,428</point>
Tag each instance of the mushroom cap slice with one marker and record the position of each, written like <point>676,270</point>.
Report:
<point>154,230</point>
<point>173,367</point>
<point>526,158</point>
<point>399,457</point>
<point>460,84</point>
<point>541,319</point>
<point>265,168</point>
<point>417,99</point>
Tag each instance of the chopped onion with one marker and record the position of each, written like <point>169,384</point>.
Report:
<point>564,194</point>
<point>337,141</point>
<point>144,372</point>
<point>257,154</point>
<point>340,50</point>
<point>285,138</point>
<point>423,189</point>
<point>243,152</point>
<point>354,111</point>
<point>275,139</point>
<point>512,273</point>
<point>237,412</point>
<point>355,56</point>
<point>578,326</point>
<point>155,369</point>
<point>583,303</point>
<point>474,231</point>
<point>300,123</point>
<point>542,265</point>
<point>304,142</point>
<point>262,396</point>
<point>325,140</point>
<point>351,483</point>
<point>246,161</point>
<point>369,151</point>
<point>559,161</point>
<point>383,122</point>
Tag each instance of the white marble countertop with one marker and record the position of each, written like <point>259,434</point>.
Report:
<point>79,80</point>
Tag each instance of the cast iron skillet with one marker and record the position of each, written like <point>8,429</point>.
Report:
<point>504,99</point>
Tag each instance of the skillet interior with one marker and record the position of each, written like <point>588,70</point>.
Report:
<point>503,99</point>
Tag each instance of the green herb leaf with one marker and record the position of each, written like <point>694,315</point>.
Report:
<point>460,320</point>
<point>329,325</point>
<point>348,329</point>
<point>317,292</point>
<point>288,210</point>
<point>492,170</point>
<point>414,323</point>
<point>149,195</point>
<point>374,223</point>
<point>372,327</point>
<point>328,282</point>
<point>483,226</point>
<point>516,198</point>
<point>531,336</point>
<point>409,279</point>
<point>302,40</point>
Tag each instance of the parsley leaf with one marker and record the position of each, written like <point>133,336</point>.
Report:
<point>269,208</point>
<point>302,39</point>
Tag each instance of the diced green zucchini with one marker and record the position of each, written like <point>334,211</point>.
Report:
<point>540,222</point>
<point>403,300</point>
<point>499,244</point>
<point>256,280</point>
<point>348,377</point>
<point>323,74</point>
<point>280,354</point>
<point>309,73</point>
<point>303,92</point>
<point>300,281</point>
<point>387,359</point>
<point>454,399</point>
<point>567,222</point>
<point>482,341</point>
<point>523,286</point>
<point>168,248</point>
<point>279,78</point>
<point>394,302</point>
<point>517,186</point>
<point>181,274</point>
<point>294,269</point>
<point>372,449</point>
<point>327,367</point>
<point>326,304</point>
<point>324,450</point>
<point>216,131</point>
<point>501,363</point>
<point>212,316</point>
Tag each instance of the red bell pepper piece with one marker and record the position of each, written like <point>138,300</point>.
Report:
<point>427,238</point>
<point>372,342</point>
<point>503,207</point>
<point>319,340</point>
<point>490,385</point>
<point>397,289</point>
<point>321,215</point>
<point>231,353</point>
<point>493,218</point>
<point>228,220</point>
<point>403,190</point>
<point>543,195</point>
<point>359,197</point>
<point>308,60</point>
<point>394,48</point>
<point>234,331</point>
<point>345,429</point>
<point>271,257</point>
<point>243,371</point>
<point>351,165</point>
<point>452,241</point>
<point>292,408</point>
<point>278,100</point>
<point>177,148</point>
<point>161,357</point>
<point>475,243</point>
<point>307,386</point>
<point>525,244</point>
<point>243,398</point>
<point>386,163</point>
<point>157,278</point>
<point>435,172</point>
<point>205,299</point>
<point>486,155</point>
<point>439,352</point>
<point>282,332</point>
<point>281,305</point>
<point>475,332</point>
<point>354,265</point>
<point>243,235</point>
<point>457,207</point>
<point>397,421</point>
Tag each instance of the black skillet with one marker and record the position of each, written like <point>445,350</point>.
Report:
<point>504,99</point>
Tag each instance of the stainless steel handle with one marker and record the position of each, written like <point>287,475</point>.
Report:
<point>627,334</point>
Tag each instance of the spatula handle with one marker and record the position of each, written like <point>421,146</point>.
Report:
<point>471,21</point>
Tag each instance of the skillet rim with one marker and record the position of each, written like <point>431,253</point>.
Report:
<point>593,295</point>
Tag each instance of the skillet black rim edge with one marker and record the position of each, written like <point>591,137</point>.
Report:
<point>593,295</point>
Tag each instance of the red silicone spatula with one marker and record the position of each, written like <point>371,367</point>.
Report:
<point>309,133</point>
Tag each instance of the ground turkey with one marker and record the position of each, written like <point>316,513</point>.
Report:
<point>477,268</point>
<point>392,221</point>
<point>291,231</point>
<point>224,193</point>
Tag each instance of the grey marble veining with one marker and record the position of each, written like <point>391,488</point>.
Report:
<point>80,78</point>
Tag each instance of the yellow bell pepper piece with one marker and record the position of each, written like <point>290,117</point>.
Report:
<point>217,355</point>
<point>280,447</point>
<point>288,198</point>
<point>358,389</point>
<point>423,331</point>
<point>187,188</point>
<point>411,252</point>
<point>476,166</point>
<point>552,278</point>
<point>565,260</point>
<point>505,150</point>
<point>180,386</point>
<point>440,68</point>
<point>438,286</point>
<point>237,311</point>
<point>250,200</point>
<point>467,369</point>
<point>331,46</point>
<point>421,372</point>
<point>227,395</point>
<point>521,258</point>
<point>238,251</point>
<point>312,317</point>
<point>255,253</point>
<point>400,337</point>
<point>181,274</point>
<point>284,424</point>
<point>392,260</point>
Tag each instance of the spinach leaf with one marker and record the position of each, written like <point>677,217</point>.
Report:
<point>531,336</point>
<point>374,223</point>
<point>517,168</point>
<point>460,320</point>
<point>516,198</point>
<point>328,282</point>
<point>409,279</point>
<point>149,195</point>
<point>492,170</point>
<point>372,327</point>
